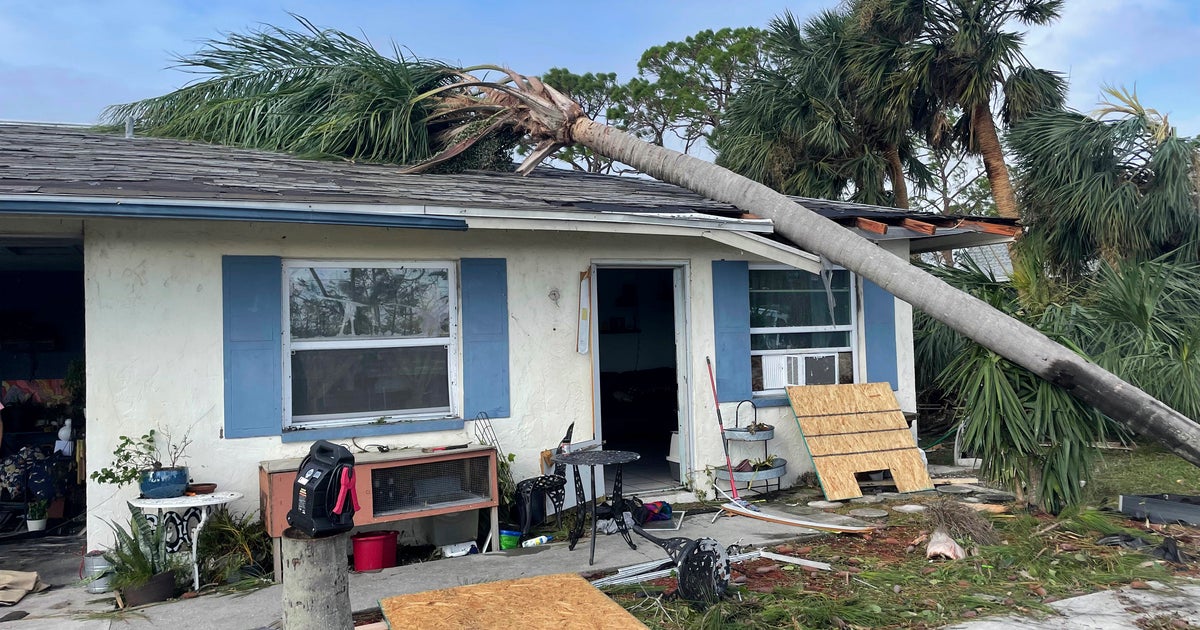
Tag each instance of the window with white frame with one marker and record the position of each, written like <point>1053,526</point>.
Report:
<point>801,331</point>
<point>366,341</point>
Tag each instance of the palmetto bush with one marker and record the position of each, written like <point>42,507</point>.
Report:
<point>1140,321</point>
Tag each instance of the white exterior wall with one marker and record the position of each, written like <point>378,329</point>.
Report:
<point>154,341</point>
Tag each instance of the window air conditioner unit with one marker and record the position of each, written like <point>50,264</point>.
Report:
<point>782,370</point>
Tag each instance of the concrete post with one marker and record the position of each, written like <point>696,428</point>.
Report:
<point>316,582</point>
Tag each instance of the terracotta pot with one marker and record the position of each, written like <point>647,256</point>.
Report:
<point>159,588</point>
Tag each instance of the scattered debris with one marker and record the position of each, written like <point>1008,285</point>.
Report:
<point>955,481</point>
<point>868,513</point>
<point>812,564</point>
<point>990,508</point>
<point>960,521</point>
<point>14,585</point>
<point>1162,508</point>
<point>942,545</point>
<point>1169,549</point>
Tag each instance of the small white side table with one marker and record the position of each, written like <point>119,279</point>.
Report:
<point>203,501</point>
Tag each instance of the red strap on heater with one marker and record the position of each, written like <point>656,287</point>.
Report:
<point>347,487</point>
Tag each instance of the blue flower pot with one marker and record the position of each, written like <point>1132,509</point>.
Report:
<point>164,483</point>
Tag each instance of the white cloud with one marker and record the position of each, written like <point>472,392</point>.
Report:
<point>1148,43</point>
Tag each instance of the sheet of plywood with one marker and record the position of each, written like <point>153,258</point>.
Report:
<point>857,428</point>
<point>547,602</point>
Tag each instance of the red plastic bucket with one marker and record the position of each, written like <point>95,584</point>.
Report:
<point>374,550</point>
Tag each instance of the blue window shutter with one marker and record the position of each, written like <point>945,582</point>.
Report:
<point>484,284</point>
<point>879,326</point>
<point>252,296</point>
<point>731,319</point>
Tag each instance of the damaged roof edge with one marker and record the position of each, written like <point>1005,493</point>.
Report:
<point>386,215</point>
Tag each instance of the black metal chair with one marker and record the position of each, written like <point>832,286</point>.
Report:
<point>553,487</point>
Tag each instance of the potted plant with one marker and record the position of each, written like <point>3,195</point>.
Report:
<point>142,570</point>
<point>35,515</point>
<point>141,460</point>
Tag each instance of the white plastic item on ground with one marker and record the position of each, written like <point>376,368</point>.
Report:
<point>942,545</point>
<point>455,550</point>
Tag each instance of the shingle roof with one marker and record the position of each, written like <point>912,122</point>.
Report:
<point>60,160</point>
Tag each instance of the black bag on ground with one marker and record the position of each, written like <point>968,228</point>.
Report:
<point>323,496</point>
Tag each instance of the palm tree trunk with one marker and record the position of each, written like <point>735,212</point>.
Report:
<point>968,315</point>
<point>988,141</point>
<point>896,174</point>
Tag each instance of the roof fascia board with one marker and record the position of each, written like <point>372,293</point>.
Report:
<point>955,241</point>
<point>766,248</point>
<point>392,210</point>
<point>559,225</point>
<point>135,210</point>
<point>693,220</point>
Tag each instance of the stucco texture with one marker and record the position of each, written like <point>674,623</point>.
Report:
<point>154,341</point>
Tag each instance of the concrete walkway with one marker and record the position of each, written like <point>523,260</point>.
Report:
<point>71,606</point>
<point>1109,610</point>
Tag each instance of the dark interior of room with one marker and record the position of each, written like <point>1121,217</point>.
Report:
<point>638,382</point>
<point>41,379</point>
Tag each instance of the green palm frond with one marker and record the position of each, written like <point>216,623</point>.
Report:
<point>316,93</point>
<point>1122,187</point>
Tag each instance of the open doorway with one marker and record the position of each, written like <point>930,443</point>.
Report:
<point>41,382</point>
<point>637,318</point>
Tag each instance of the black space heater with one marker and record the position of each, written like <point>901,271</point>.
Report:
<point>323,496</point>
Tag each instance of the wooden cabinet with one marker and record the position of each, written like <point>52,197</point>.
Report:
<point>397,485</point>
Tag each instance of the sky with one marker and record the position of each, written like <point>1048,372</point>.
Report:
<point>64,61</point>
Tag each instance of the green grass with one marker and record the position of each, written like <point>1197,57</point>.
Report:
<point>1146,470</point>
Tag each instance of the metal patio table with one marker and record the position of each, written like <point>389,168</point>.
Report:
<point>591,459</point>
<point>201,501</point>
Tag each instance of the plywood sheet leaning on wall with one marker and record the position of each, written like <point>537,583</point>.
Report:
<point>857,428</point>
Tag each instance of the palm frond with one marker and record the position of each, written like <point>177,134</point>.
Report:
<point>316,93</point>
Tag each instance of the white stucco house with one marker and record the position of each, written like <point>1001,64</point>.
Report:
<point>262,302</point>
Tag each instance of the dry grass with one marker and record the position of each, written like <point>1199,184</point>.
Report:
<point>961,521</point>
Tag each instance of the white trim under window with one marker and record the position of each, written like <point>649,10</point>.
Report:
<point>792,362</point>
<point>373,344</point>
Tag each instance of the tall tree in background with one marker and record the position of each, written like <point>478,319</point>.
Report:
<point>1118,186</point>
<point>963,55</point>
<point>602,98</point>
<point>1110,263</point>
<point>817,121</point>
<point>696,77</point>
<point>315,89</point>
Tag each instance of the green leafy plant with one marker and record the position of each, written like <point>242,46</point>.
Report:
<point>140,553</point>
<point>37,509</point>
<point>766,463</point>
<point>130,458</point>
<point>134,455</point>
<point>233,546</point>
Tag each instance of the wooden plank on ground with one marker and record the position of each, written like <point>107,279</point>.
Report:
<point>857,428</point>
<point>547,602</point>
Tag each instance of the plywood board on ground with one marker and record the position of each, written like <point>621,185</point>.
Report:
<point>857,428</point>
<point>547,602</point>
